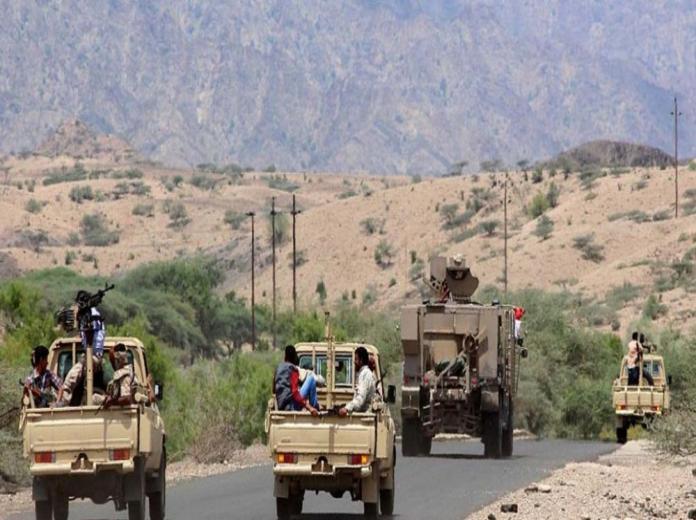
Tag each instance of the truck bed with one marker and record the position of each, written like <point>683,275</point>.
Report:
<point>634,399</point>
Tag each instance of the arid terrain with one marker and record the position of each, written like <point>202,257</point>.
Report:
<point>611,236</point>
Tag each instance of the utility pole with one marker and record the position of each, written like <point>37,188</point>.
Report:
<point>505,232</point>
<point>273,242</point>
<point>253,282</point>
<point>294,213</point>
<point>676,115</point>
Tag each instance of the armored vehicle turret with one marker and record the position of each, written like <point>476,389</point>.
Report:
<point>460,364</point>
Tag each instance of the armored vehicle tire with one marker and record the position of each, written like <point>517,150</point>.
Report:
<point>158,499</point>
<point>492,435</point>
<point>508,433</point>
<point>44,509</point>
<point>413,441</point>
<point>622,435</point>
<point>370,510</point>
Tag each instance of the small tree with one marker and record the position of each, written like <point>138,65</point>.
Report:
<point>544,227</point>
<point>552,195</point>
<point>321,291</point>
<point>96,232</point>
<point>538,175</point>
<point>538,205</point>
<point>488,227</point>
<point>178,216</point>
<point>233,218</point>
<point>384,254</point>
<point>282,228</point>
<point>448,212</point>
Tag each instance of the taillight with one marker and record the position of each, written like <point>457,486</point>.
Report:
<point>45,457</point>
<point>358,460</point>
<point>655,408</point>
<point>286,458</point>
<point>474,380</point>
<point>123,454</point>
<point>621,407</point>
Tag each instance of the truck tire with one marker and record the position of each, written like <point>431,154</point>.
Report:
<point>370,509</point>
<point>296,503</point>
<point>282,508</point>
<point>508,433</point>
<point>622,434</point>
<point>410,438</point>
<point>492,435</point>
<point>386,496</point>
<point>158,499</point>
<point>136,508</point>
<point>60,506</point>
<point>44,509</point>
<point>414,442</point>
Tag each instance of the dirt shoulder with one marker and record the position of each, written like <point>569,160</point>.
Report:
<point>634,482</point>
<point>19,499</point>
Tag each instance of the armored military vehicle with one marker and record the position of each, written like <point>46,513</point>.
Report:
<point>461,362</point>
<point>641,403</point>
<point>354,454</point>
<point>88,451</point>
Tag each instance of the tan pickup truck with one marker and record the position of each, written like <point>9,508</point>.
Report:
<point>641,403</point>
<point>78,452</point>
<point>353,454</point>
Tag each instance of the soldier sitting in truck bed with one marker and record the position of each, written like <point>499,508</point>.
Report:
<point>41,381</point>
<point>286,385</point>
<point>365,387</point>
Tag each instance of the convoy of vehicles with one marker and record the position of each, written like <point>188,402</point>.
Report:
<point>460,365</point>
<point>354,454</point>
<point>89,451</point>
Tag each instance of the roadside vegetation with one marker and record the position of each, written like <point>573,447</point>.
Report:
<point>216,394</point>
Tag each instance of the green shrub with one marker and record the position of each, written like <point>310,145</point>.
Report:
<point>321,291</point>
<point>80,193</point>
<point>384,254</point>
<point>538,205</point>
<point>178,216</point>
<point>281,182</point>
<point>77,173</point>
<point>372,225</point>
<point>552,195</point>
<point>465,235</point>
<point>144,210</point>
<point>234,219</point>
<point>34,206</point>
<point>448,212</point>
<point>544,227</point>
<point>590,251</point>
<point>653,308</point>
<point>282,228</point>
<point>537,176</point>
<point>70,257</point>
<point>488,227</point>
<point>95,231</point>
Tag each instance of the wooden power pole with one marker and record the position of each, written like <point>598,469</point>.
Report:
<point>676,115</point>
<point>273,244</point>
<point>253,282</point>
<point>294,213</point>
<point>505,232</point>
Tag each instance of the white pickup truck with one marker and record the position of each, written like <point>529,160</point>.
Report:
<point>77,452</point>
<point>330,453</point>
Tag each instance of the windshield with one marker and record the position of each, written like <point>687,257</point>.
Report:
<point>344,367</point>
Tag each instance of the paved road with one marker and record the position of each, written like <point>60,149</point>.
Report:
<point>453,481</point>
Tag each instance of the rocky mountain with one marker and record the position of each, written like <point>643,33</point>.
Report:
<point>395,85</point>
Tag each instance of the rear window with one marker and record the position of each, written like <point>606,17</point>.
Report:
<point>65,363</point>
<point>344,368</point>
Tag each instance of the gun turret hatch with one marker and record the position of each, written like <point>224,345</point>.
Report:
<point>450,277</point>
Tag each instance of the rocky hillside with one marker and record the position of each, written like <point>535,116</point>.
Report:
<point>390,86</point>
<point>609,154</point>
<point>75,139</point>
<point>607,235</point>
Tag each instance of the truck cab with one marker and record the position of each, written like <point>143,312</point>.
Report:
<point>88,451</point>
<point>353,454</point>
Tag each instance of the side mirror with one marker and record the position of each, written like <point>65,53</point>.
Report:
<point>524,353</point>
<point>391,394</point>
<point>520,341</point>
<point>159,391</point>
<point>669,379</point>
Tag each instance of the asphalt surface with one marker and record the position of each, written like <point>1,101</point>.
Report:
<point>453,482</point>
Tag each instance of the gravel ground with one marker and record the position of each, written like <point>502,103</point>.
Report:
<point>632,483</point>
<point>186,469</point>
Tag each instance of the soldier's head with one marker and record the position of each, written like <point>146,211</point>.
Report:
<point>634,336</point>
<point>291,355</point>
<point>39,358</point>
<point>82,299</point>
<point>362,358</point>
<point>120,355</point>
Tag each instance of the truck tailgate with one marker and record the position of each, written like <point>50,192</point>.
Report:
<point>298,432</point>
<point>632,398</point>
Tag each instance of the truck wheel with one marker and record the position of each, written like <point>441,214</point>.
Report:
<point>282,508</point>
<point>508,433</point>
<point>296,503</point>
<point>158,499</point>
<point>492,435</point>
<point>370,510</point>
<point>44,509</point>
<point>622,435</point>
<point>136,508</point>
<point>426,444</point>
<point>386,496</point>
<point>60,507</point>
<point>410,438</point>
